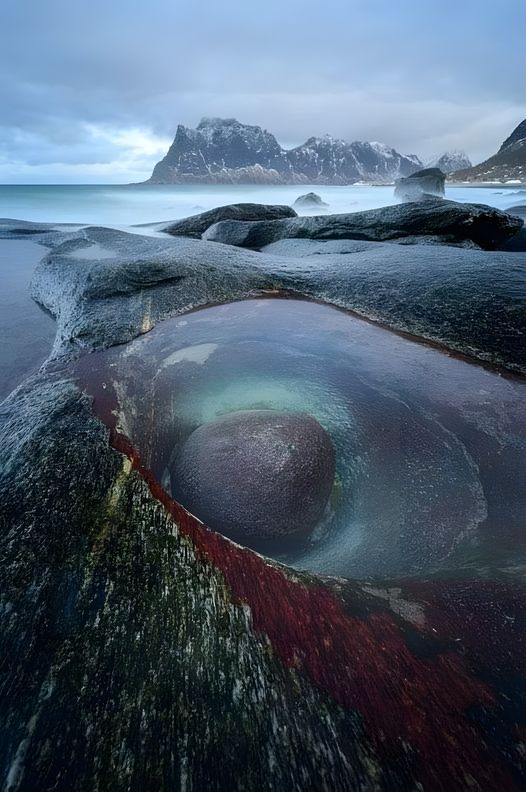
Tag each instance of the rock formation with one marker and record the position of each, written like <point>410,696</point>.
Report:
<point>445,221</point>
<point>421,185</point>
<point>508,164</point>
<point>139,649</point>
<point>310,201</point>
<point>196,225</point>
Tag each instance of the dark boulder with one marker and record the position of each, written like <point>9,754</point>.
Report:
<point>310,201</point>
<point>256,476</point>
<point>196,225</point>
<point>487,227</point>
<point>421,185</point>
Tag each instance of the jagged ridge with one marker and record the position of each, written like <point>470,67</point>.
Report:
<point>226,151</point>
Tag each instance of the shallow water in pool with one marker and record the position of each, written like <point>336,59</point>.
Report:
<point>430,449</point>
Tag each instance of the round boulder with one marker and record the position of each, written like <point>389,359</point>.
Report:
<point>310,201</point>
<point>261,477</point>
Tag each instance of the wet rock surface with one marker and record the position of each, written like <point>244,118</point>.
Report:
<point>469,301</point>
<point>487,227</point>
<point>258,476</point>
<point>422,185</point>
<point>418,478</point>
<point>196,225</point>
<point>140,649</point>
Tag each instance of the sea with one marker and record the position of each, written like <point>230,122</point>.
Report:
<point>126,205</point>
<point>27,332</point>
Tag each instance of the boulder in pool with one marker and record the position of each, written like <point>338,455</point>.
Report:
<point>261,477</point>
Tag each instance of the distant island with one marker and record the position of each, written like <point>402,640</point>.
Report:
<point>224,151</point>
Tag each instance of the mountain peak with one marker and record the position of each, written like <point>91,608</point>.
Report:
<point>449,161</point>
<point>211,121</point>
<point>517,136</point>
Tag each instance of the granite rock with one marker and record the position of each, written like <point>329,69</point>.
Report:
<point>196,225</point>
<point>487,227</point>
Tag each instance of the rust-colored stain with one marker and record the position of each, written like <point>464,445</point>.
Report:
<point>417,708</point>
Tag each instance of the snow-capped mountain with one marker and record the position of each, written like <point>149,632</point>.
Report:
<point>222,150</point>
<point>508,164</point>
<point>449,161</point>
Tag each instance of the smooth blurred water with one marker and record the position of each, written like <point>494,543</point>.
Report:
<point>26,331</point>
<point>122,205</point>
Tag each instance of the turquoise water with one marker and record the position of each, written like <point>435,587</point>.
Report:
<point>122,205</point>
<point>430,450</point>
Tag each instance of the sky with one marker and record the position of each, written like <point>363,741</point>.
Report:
<point>92,92</point>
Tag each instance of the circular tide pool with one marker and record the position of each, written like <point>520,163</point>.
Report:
<point>430,450</point>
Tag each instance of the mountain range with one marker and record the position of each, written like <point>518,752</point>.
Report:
<point>224,151</point>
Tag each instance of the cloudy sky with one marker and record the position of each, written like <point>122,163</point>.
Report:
<point>93,91</point>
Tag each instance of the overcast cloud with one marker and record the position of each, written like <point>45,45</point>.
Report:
<point>93,92</point>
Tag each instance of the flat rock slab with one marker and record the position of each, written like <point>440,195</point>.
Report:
<point>106,286</point>
<point>484,226</point>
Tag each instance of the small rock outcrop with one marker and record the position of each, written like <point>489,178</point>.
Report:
<point>452,222</point>
<point>310,201</point>
<point>420,185</point>
<point>196,225</point>
<point>257,476</point>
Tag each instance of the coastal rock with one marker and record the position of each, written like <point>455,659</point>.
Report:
<point>310,201</point>
<point>487,227</point>
<point>139,649</point>
<point>168,652</point>
<point>421,185</point>
<point>256,476</point>
<point>196,225</point>
<point>470,301</point>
